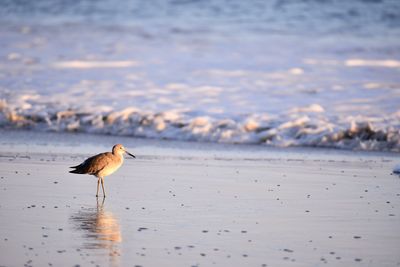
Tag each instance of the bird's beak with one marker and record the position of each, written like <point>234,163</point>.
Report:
<point>133,156</point>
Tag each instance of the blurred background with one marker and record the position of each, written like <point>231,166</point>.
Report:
<point>282,73</point>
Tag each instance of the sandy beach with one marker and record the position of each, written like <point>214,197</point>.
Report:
<point>194,204</point>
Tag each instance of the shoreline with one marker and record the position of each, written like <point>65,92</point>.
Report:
<point>17,138</point>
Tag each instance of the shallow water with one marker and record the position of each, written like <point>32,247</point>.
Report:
<point>322,74</point>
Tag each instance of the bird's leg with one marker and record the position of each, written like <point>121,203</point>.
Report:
<point>98,184</point>
<point>102,186</point>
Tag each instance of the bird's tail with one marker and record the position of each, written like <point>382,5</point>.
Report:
<point>77,170</point>
<point>77,166</point>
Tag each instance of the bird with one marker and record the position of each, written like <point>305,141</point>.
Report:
<point>102,165</point>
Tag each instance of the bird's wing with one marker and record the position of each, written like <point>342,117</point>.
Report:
<point>96,163</point>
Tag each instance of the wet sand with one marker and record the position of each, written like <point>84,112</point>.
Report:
<point>191,204</point>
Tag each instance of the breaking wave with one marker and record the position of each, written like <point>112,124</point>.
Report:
<point>300,127</point>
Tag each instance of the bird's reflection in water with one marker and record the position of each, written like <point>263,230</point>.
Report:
<point>100,230</point>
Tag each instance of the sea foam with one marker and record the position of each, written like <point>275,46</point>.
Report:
<point>304,126</point>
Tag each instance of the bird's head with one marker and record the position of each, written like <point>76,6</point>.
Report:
<point>119,149</point>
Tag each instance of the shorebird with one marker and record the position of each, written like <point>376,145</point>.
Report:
<point>102,165</point>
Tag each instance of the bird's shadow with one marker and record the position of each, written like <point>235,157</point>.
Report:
<point>100,229</point>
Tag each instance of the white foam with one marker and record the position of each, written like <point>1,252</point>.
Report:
<point>79,64</point>
<point>388,63</point>
<point>290,129</point>
<point>311,108</point>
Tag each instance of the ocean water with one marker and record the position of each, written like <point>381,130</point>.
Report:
<point>281,73</point>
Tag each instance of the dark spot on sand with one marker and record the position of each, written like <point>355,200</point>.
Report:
<point>205,231</point>
<point>142,229</point>
<point>356,237</point>
<point>332,252</point>
<point>358,259</point>
<point>55,207</point>
<point>245,255</point>
<point>127,208</point>
<point>177,248</point>
<point>45,236</point>
<point>244,231</point>
<point>203,254</point>
<point>55,182</point>
<point>288,250</point>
